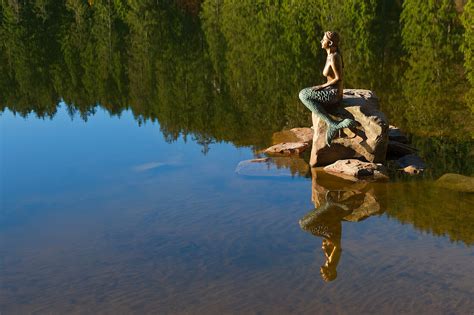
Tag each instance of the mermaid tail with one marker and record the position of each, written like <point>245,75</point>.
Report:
<point>333,128</point>
<point>330,133</point>
<point>314,100</point>
<point>347,123</point>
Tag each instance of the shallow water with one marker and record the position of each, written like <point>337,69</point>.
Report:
<point>122,127</point>
<point>108,217</point>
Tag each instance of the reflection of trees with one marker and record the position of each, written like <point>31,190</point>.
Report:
<point>262,51</point>
<point>468,49</point>
<point>433,81</point>
<point>24,41</point>
<point>357,22</point>
<point>446,155</point>
<point>435,210</point>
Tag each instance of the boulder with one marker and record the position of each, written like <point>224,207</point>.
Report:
<point>356,170</point>
<point>287,148</point>
<point>456,182</point>
<point>367,142</point>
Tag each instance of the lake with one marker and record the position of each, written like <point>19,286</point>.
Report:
<point>122,125</point>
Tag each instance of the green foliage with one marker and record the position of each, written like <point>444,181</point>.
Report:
<point>435,210</point>
<point>357,23</point>
<point>468,44</point>
<point>467,19</point>
<point>431,36</point>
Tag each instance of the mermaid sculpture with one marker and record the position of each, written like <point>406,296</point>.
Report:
<point>329,93</point>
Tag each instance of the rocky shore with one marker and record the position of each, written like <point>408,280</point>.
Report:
<point>362,152</point>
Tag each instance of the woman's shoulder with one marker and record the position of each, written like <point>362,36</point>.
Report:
<point>335,55</point>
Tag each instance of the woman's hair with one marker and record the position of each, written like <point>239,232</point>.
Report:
<point>333,37</point>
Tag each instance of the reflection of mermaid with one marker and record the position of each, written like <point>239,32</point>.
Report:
<point>329,93</point>
<point>325,222</point>
<point>336,200</point>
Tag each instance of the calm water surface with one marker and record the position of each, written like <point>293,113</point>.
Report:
<point>105,216</point>
<point>119,145</point>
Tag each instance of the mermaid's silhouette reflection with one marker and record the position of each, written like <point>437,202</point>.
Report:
<point>337,200</point>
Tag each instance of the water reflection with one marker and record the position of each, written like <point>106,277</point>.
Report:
<point>337,200</point>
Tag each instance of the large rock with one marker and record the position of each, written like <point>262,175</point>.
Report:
<point>352,169</point>
<point>456,182</point>
<point>367,142</point>
<point>287,148</point>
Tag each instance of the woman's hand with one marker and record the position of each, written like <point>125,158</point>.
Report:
<point>317,87</point>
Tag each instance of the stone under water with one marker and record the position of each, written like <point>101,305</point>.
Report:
<point>456,182</point>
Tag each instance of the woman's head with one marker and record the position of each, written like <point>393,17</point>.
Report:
<point>328,273</point>
<point>332,251</point>
<point>330,40</point>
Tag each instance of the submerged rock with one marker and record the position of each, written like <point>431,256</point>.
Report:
<point>366,142</point>
<point>356,170</point>
<point>456,182</point>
